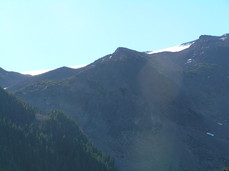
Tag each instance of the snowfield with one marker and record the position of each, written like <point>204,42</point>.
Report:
<point>177,48</point>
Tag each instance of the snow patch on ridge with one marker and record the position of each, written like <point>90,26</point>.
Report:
<point>219,123</point>
<point>173,49</point>
<point>223,38</point>
<point>188,61</point>
<point>33,73</point>
<point>78,66</point>
<point>210,134</point>
<point>38,72</point>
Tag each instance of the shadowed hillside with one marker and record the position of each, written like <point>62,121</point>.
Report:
<point>32,141</point>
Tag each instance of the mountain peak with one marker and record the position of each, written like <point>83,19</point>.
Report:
<point>123,50</point>
<point>206,38</point>
<point>211,41</point>
<point>225,35</point>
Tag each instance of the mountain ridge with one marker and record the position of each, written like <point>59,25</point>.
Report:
<point>8,78</point>
<point>153,111</point>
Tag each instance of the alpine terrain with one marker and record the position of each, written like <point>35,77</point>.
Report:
<point>165,110</point>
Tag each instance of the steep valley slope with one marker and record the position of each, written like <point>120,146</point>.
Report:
<point>30,140</point>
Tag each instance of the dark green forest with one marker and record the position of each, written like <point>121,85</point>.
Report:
<point>31,141</point>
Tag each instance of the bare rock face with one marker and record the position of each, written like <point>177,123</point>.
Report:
<point>163,111</point>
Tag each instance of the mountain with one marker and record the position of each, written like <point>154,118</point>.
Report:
<point>10,78</point>
<point>154,111</point>
<point>51,76</point>
<point>32,141</point>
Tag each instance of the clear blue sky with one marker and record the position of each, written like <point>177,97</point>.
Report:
<point>47,34</point>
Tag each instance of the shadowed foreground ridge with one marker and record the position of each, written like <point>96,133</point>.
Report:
<point>31,141</point>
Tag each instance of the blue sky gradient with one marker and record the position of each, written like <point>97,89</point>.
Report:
<point>47,34</point>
